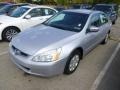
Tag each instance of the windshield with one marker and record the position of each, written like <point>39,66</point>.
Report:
<point>102,8</point>
<point>19,12</point>
<point>70,21</point>
<point>5,9</point>
<point>2,5</point>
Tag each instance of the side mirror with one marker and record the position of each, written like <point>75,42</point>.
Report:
<point>27,17</point>
<point>94,29</point>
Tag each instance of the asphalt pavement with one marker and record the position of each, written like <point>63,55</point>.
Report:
<point>111,79</point>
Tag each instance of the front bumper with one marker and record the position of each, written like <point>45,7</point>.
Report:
<point>2,27</point>
<point>45,69</point>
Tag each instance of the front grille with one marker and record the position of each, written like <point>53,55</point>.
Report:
<point>19,52</point>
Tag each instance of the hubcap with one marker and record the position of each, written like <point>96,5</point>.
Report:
<point>10,34</point>
<point>74,63</point>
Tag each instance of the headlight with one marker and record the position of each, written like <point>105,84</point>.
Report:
<point>49,56</point>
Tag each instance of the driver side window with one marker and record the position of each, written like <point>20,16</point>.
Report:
<point>35,12</point>
<point>96,21</point>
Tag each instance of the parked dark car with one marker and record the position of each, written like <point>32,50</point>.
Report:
<point>2,4</point>
<point>81,6</point>
<point>8,9</point>
<point>115,7</point>
<point>109,9</point>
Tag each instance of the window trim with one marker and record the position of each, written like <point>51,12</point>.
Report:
<point>49,9</point>
<point>31,10</point>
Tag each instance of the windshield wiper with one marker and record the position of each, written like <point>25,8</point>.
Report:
<point>60,27</point>
<point>56,26</point>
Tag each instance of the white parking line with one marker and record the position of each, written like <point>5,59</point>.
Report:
<point>3,53</point>
<point>102,73</point>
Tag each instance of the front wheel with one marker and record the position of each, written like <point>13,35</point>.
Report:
<point>72,62</point>
<point>9,33</point>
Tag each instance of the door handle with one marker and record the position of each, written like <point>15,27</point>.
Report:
<point>41,18</point>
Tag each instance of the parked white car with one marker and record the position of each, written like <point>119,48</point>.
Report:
<point>22,18</point>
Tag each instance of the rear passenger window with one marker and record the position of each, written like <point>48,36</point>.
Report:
<point>47,11</point>
<point>103,18</point>
<point>35,12</point>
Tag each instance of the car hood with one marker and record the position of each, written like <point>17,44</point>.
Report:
<point>6,19</point>
<point>37,38</point>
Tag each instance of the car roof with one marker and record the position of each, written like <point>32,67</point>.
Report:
<point>36,6</point>
<point>104,4</point>
<point>82,4</point>
<point>4,3</point>
<point>85,11</point>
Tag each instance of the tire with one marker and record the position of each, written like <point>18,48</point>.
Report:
<point>71,64</point>
<point>113,22</point>
<point>106,39</point>
<point>9,33</point>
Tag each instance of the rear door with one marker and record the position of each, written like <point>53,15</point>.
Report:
<point>105,25</point>
<point>94,38</point>
<point>35,19</point>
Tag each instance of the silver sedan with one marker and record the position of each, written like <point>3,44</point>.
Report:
<point>58,45</point>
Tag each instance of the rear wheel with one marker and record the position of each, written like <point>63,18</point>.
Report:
<point>113,22</point>
<point>9,33</point>
<point>106,39</point>
<point>72,62</point>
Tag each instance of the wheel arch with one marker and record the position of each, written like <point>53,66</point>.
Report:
<point>80,49</point>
